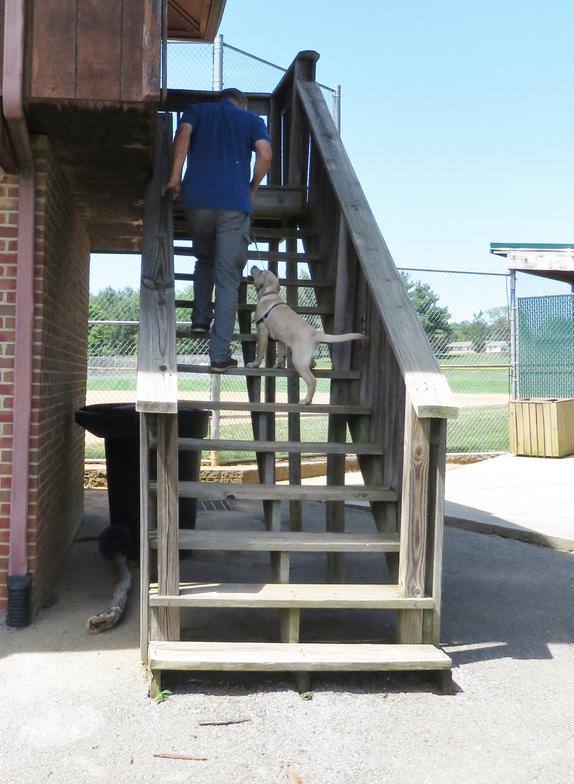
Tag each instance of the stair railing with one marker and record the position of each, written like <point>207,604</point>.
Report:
<point>400,378</point>
<point>157,394</point>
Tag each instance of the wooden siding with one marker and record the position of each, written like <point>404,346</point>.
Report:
<point>94,50</point>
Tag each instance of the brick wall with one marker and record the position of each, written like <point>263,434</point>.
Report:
<point>8,248</point>
<point>59,375</point>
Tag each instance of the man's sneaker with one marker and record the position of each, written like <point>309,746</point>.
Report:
<point>200,329</point>
<point>221,367</point>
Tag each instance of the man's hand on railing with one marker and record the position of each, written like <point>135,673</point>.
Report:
<point>173,189</point>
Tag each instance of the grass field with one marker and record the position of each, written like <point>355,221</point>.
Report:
<point>476,381</point>
<point>462,380</point>
<point>197,384</point>
<point>476,430</point>
<point>479,428</point>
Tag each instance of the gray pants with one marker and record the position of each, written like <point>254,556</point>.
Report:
<point>220,241</point>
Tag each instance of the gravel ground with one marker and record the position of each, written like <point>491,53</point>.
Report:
<point>75,707</point>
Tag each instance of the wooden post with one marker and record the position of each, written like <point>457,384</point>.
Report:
<point>157,363</point>
<point>275,132</point>
<point>293,394</point>
<point>431,618</point>
<point>414,522</point>
<point>215,396</point>
<point>145,524</point>
<point>168,523</point>
<point>343,301</point>
<point>303,70</point>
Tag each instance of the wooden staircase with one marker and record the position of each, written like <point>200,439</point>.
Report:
<point>388,406</point>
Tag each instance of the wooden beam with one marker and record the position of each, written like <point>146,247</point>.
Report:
<point>435,534</point>
<point>221,491</point>
<point>314,447</point>
<point>280,595</point>
<point>157,365</point>
<point>147,512</point>
<point>305,656</point>
<point>284,541</point>
<point>414,520</point>
<point>167,521</point>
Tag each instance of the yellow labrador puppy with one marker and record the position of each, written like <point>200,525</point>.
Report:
<point>275,319</point>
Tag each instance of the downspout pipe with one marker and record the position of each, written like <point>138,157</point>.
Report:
<point>19,578</point>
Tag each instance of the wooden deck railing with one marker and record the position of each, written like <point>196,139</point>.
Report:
<point>400,378</point>
<point>157,371</point>
<point>157,391</point>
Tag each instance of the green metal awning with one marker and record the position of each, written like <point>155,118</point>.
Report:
<point>503,248</point>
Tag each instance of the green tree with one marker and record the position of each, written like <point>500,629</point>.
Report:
<point>111,304</point>
<point>435,319</point>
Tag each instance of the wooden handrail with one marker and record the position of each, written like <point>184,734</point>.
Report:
<point>282,92</point>
<point>157,365</point>
<point>426,386</point>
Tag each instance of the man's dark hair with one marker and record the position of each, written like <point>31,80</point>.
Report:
<point>235,95</point>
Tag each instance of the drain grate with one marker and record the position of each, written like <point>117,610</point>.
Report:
<point>214,506</point>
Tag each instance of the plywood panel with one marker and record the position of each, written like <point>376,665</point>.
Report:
<point>53,57</point>
<point>99,50</point>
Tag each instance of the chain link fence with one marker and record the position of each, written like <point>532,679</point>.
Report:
<point>471,342</point>
<point>192,66</point>
<point>465,315</point>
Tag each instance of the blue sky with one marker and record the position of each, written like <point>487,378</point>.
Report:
<point>458,118</point>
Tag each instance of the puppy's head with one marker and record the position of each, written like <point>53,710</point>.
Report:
<point>264,281</point>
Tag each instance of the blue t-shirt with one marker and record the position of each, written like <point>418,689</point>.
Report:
<point>219,158</point>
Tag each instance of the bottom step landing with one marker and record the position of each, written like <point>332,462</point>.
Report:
<point>299,657</point>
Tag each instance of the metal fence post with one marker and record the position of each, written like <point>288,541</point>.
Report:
<point>218,63</point>
<point>337,107</point>
<point>215,395</point>
<point>513,337</point>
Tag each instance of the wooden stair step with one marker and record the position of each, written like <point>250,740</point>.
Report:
<point>249,307</point>
<point>313,447</point>
<point>280,202</point>
<point>285,282</point>
<point>287,408</point>
<point>244,337</point>
<point>284,595</point>
<point>165,655</point>
<point>339,375</point>
<point>284,541</point>
<point>263,233</point>
<point>275,203</point>
<point>222,491</point>
<point>284,256</point>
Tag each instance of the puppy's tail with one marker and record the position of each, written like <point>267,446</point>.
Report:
<point>324,337</point>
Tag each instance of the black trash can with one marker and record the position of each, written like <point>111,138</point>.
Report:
<point>118,425</point>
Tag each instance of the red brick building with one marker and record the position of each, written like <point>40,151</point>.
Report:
<point>81,83</point>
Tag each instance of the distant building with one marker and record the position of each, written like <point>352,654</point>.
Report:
<point>496,346</point>
<point>460,347</point>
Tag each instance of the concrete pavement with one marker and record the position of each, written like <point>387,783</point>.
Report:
<point>530,499</point>
<point>75,706</point>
